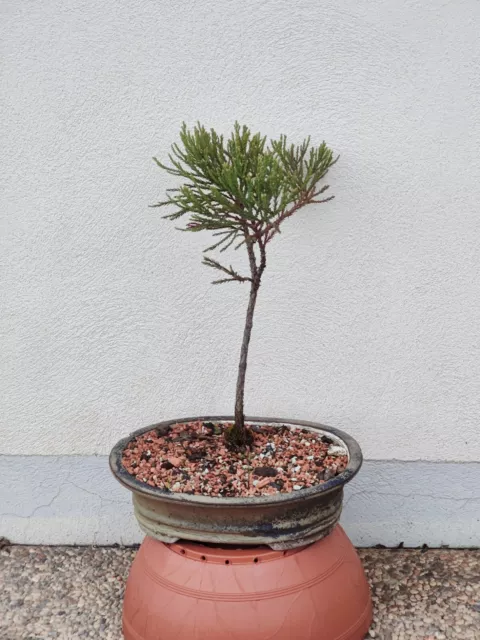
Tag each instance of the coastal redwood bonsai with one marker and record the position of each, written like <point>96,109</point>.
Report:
<point>242,190</point>
<point>212,493</point>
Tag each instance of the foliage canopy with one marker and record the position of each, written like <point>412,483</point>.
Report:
<point>241,189</point>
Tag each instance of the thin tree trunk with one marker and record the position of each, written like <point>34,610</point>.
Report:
<point>238,433</point>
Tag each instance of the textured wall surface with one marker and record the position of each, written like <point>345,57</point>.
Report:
<point>369,317</point>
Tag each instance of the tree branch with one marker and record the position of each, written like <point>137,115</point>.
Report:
<point>222,280</point>
<point>263,257</point>
<point>308,198</point>
<point>230,271</point>
<point>320,201</point>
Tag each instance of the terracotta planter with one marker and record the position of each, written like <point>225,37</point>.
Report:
<point>194,592</point>
<point>282,521</point>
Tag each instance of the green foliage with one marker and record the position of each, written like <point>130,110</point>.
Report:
<point>242,189</point>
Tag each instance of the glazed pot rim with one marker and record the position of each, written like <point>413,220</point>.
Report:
<point>136,486</point>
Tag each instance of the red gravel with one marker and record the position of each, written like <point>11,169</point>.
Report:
<point>192,458</point>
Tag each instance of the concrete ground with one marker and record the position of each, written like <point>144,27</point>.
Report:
<point>76,592</point>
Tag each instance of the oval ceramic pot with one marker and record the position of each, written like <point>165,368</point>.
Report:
<point>282,521</point>
<point>196,592</point>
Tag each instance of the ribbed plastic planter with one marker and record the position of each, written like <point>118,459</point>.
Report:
<point>194,592</point>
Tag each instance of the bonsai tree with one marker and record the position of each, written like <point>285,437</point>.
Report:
<point>242,190</point>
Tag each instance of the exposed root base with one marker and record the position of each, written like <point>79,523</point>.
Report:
<point>238,439</point>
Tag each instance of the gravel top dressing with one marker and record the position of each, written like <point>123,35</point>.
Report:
<point>193,458</point>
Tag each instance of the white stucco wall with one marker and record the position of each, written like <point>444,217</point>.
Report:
<point>369,318</point>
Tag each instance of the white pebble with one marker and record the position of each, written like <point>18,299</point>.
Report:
<point>336,450</point>
<point>297,487</point>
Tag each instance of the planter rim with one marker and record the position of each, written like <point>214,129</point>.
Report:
<point>131,483</point>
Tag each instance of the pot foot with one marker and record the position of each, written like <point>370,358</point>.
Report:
<point>196,592</point>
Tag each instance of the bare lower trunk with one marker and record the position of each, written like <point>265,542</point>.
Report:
<point>238,435</point>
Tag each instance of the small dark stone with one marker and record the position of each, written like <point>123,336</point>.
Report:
<point>195,456</point>
<point>321,475</point>
<point>299,457</point>
<point>185,475</point>
<point>256,428</point>
<point>426,575</point>
<point>326,440</point>
<point>265,472</point>
<point>232,469</point>
<point>210,427</point>
<point>145,456</point>
<point>167,465</point>
<point>134,464</point>
<point>319,462</point>
<point>223,478</point>
<point>278,484</point>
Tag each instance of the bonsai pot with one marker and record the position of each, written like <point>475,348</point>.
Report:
<point>273,567</point>
<point>282,521</point>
